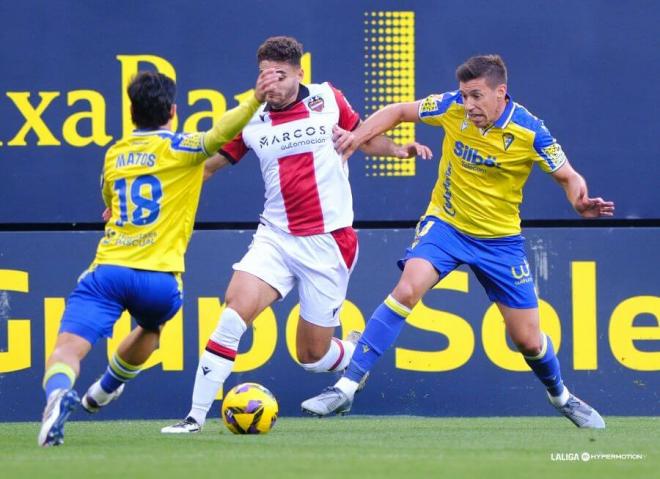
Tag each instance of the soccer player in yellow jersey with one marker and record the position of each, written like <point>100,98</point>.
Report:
<point>490,146</point>
<point>151,183</point>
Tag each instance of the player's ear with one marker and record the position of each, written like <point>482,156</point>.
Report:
<point>501,90</point>
<point>173,111</point>
<point>300,74</point>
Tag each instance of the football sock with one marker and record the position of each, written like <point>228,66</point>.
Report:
<point>58,376</point>
<point>117,373</point>
<point>336,359</point>
<point>546,367</point>
<point>216,363</point>
<point>381,332</point>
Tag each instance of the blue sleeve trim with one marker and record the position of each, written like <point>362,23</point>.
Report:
<point>176,144</point>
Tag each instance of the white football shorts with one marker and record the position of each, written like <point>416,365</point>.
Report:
<point>320,265</point>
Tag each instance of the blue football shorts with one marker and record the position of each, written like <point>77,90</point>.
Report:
<point>500,264</point>
<point>104,292</point>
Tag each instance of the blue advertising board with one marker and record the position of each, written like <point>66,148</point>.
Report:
<point>65,65</point>
<point>600,302</point>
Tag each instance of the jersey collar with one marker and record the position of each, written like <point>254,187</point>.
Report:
<point>139,132</point>
<point>506,115</point>
<point>504,118</point>
<point>303,92</point>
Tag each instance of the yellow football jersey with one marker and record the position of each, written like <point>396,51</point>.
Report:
<point>151,181</point>
<point>482,171</point>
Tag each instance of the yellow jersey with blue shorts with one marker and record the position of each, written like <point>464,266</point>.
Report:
<point>152,181</point>
<point>482,171</point>
<point>473,216</point>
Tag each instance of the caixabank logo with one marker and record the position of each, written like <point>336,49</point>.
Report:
<point>389,77</point>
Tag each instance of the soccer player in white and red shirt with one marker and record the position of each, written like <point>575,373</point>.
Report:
<point>305,237</point>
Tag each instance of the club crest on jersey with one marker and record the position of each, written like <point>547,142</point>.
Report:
<point>507,139</point>
<point>465,124</point>
<point>316,103</point>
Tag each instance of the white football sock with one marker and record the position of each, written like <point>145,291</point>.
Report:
<point>560,400</point>
<point>336,359</point>
<point>213,369</point>
<point>347,386</point>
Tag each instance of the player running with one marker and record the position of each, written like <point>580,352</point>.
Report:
<point>305,237</point>
<point>490,146</point>
<point>151,182</point>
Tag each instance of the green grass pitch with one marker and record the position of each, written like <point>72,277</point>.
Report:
<point>359,446</point>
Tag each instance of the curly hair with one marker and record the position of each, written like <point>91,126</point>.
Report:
<point>490,67</point>
<point>281,49</point>
<point>152,96</point>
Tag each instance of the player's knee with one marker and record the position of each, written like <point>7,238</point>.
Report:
<point>528,345</point>
<point>406,294</point>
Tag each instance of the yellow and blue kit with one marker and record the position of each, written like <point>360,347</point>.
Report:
<point>473,216</point>
<point>152,181</point>
<point>482,171</point>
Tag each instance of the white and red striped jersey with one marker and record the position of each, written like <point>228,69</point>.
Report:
<point>307,188</point>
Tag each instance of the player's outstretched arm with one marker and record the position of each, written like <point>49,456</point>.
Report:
<point>213,164</point>
<point>576,191</point>
<point>382,145</point>
<point>233,121</point>
<point>383,120</point>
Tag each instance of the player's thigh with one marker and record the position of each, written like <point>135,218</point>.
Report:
<point>154,298</point>
<point>323,273</point>
<point>502,268</point>
<point>262,275</point>
<point>249,295</point>
<point>436,251</point>
<point>94,305</point>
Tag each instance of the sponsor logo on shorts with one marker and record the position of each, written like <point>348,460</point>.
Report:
<point>521,273</point>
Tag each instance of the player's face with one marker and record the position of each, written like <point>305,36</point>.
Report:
<point>285,91</point>
<point>483,104</point>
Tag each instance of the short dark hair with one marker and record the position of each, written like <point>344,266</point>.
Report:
<point>490,67</point>
<point>281,49</point>
<point>152,96</point>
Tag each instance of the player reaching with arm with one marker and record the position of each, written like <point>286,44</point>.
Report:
<point>151,183</point>
<point>305,237</point>
<point>490,146</point>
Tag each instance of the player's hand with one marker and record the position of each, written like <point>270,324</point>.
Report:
<point>593,207</point>
<point>344,141</point>
<point>265,82</point>
<point>106,215</point>
<point>410,150</point>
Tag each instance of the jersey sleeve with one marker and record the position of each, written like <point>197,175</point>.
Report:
<point>547,153</point>
<point>235,149</point>
<point>433,108</point>
<point>189,148</point>
<point>348,118</point>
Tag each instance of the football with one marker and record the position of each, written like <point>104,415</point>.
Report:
<point>249,408</point>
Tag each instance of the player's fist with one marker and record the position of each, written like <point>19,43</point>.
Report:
<point>106,215</point>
